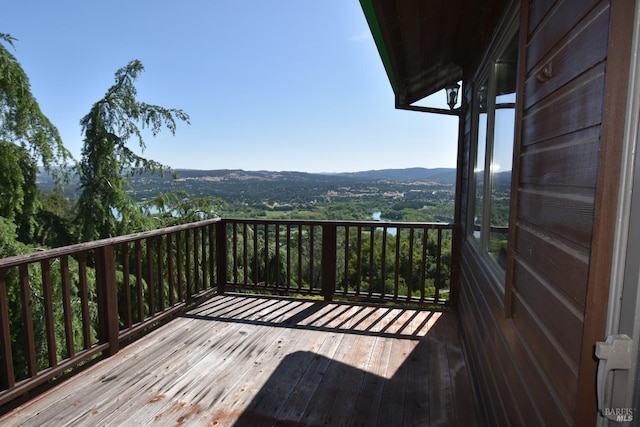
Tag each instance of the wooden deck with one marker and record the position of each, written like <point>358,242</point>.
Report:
<point>253,361</point>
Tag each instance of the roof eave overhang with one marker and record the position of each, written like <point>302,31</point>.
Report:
<point>381,45</point>
<point>428,45</point>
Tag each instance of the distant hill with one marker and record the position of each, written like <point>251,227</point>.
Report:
<point>242,175</point>
<point>290,187</point>
<point>437,175</point>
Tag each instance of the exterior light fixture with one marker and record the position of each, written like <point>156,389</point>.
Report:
<point>452,94</point>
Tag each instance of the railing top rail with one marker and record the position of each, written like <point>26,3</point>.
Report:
<point>390,224</point>
<point>87,246</point>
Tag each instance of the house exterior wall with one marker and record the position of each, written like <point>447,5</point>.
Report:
<point>530,334</point>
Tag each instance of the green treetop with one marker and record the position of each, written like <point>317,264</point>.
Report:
<point>21,120</point>
<point>104,207</point>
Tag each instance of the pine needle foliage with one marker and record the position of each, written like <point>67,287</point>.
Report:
<point>21,120</point>
<point>105,209</point>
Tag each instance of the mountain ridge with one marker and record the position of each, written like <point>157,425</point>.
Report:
<point>436,175</point>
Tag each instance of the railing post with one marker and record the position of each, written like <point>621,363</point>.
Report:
<point>108,324</point>
<point>7,377</point>
<point>221,256</point>
<point>454,279</point>
<point>329,257</point>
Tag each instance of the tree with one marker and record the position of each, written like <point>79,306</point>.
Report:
<point>178,208</point>
<point>104,207</point>
<point>55,220</point>
<point>18,189</point>
<point>21,120</point>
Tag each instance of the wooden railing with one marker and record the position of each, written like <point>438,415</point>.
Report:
<point>63,307</point>
<point>375,261</point>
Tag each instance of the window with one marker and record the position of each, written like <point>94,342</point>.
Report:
<point>494,120</point>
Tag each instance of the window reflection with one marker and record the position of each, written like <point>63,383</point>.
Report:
<point>501,183</point>
<point>495,118</point>
<point>505,71</point>
<point>480,160</point>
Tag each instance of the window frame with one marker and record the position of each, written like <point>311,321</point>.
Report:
<point>486,74</point>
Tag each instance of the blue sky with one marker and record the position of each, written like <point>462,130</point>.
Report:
<point>274,85</point>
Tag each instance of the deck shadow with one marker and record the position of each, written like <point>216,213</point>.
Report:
<point>310,389</point>
<point>379,321</point>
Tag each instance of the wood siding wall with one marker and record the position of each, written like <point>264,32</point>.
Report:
<point>527,360</point>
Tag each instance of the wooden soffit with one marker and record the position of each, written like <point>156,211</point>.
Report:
<point>427,44</point>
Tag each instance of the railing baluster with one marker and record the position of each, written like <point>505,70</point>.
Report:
<point>179,269</point>
<point>425,240</point>
<point>359,260</point>
<point>203,244</point>
<point>151,288</point>
<point>27,319</point>
<point>276,248</point>
<point>311,250</point>
<point>438,265</point>
<point>346,260</point>
<point>139,280</point>
<point>371,260</point>
<point>160,269</point>
<point>7,375</point>
<point>66,305</point>
<point>288,245</point>
<point>196,262</point>
<point>49,318</point>
<point>410,263</point>
<point>256,277</point>
<point>266,254</point>
<point>383,262</point>
<point>396,279</point>
<point>126,284</point>
<point>234,242</point>
<point>245,259</point>
<point>299,256</point>
<point>170,272</point>
<point>329,258</point>
<point>454,276</point>
<point>187,248</point>
<point>84,299</point>
<point>221,256</point>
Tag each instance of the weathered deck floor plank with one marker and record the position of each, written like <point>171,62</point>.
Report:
<point>253,361</point>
